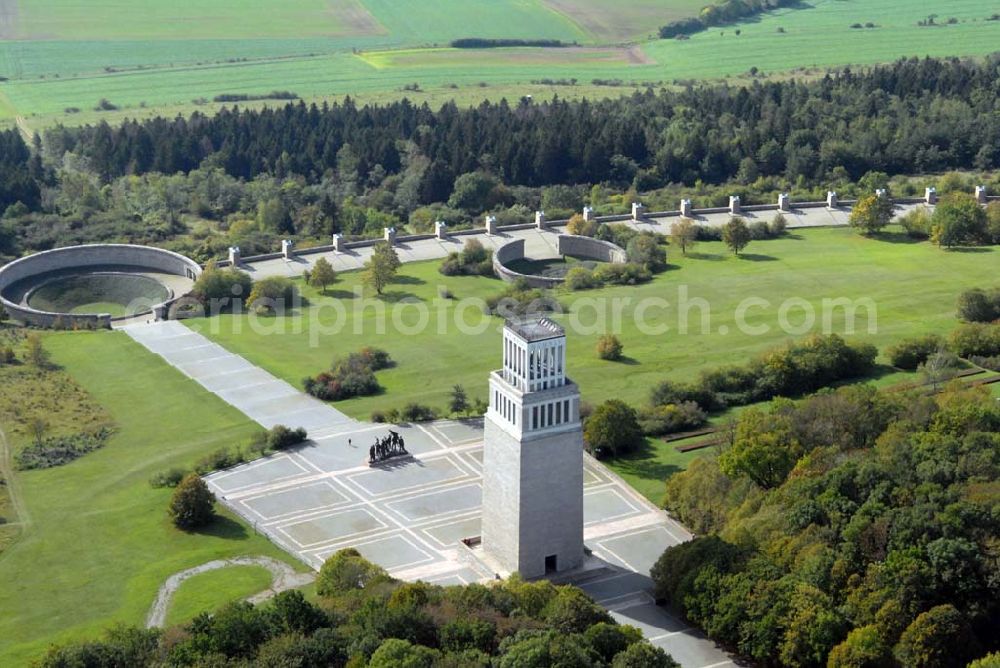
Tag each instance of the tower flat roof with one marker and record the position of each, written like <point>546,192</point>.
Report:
<point>535,329</point>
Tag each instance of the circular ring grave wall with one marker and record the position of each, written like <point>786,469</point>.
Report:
<point>59,287</point>
<point>568,244</point>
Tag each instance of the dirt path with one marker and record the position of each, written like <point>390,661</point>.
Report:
<point>13,487</point>
<point>285,577</point>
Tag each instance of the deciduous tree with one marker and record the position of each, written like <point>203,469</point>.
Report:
<point>381,267</point>
<point>736,234</point>
<point>192,504</point>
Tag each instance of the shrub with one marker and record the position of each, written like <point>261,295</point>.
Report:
<point>519,298</point>
<point>612,429</point>
<point>645,251</point>
<point>671,418</point>
<point>777,226</point>
<point>911,353</point>
<point>667,392</point>
<point>617,234</point>
<point>376,358</point>
<point>221,288</point>
<point>473,260</point>
<point>223,458</point>
<point>759,230</point>
<point>976,339</point>
<point>917,223</point>
<point>584,228</point>
<point>192,504</point>
<point>708,233</point>
<point>274,294</point>
<point>609,347</point>
<point>346,570</point>
<point>581,278</point>
<point>958,220</point>
<point>978,305</point>
<point>280,437</point>
<point>622,274</point>
<point>993,222</point>
<point>353,376</point>
<point>414,412</point>
<point>169,478</point>
<point>991,363</point>
<point>54,451</point>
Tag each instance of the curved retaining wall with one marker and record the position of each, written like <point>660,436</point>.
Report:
<point>568,244</point>
<point>592,249</point>
<point>91,255</point>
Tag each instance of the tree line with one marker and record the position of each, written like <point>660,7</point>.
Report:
<point>908,117</point>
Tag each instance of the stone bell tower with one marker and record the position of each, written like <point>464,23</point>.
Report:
<point>533,455</point>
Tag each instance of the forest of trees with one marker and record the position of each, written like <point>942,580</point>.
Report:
<point>249,177</point>
<point>851,529</point>
<point>363,617</point>
<point>912,116</point>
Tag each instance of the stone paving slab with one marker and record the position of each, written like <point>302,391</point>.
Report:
<point>259,395</point>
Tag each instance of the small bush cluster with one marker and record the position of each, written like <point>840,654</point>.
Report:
<point>280,437</point>
<point>671,418</point>
<point>979,305</point>
<point>353,376</point>
<point>911,353</point>
<point>222,288</point>
<point>629,273</point>
<point>473,260</point>
<point>58,450</point>
<point>609,347</point>
<point>917,224</point>
<point>976,339</point>
<point>519,298</point>
<point>169,478</point>
<point>411,412</point>
<point>274,294</point>
<point>796,369</point>
<point>991,363</point>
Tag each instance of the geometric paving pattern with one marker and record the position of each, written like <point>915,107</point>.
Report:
<point>409,515</point>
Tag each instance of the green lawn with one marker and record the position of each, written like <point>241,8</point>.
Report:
<point>647,469</point>
<point>261,56</point>
<point>213,589</point>
<point>913,285</point>
<point>99,543</point>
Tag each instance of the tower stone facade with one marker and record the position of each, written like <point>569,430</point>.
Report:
<point>533,455</point>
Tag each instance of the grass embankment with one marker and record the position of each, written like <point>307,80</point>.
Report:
<point>99,544</point>
<point>914,287</point>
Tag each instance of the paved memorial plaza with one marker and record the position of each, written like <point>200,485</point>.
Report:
<point>409,514</point>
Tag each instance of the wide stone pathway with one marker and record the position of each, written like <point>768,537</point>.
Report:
<point>256,393</point>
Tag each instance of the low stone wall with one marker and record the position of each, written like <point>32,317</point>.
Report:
<point>515,251</point>
<point>143,258</point>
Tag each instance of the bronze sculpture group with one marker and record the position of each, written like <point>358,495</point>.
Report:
<point>387,448</point>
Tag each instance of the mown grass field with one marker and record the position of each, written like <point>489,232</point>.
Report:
<point>98,543</point>
<point>913,285</point>
<point>173,74</point>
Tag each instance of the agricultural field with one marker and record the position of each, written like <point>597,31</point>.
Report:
<point>97,542</point>
<point>169,71</point>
